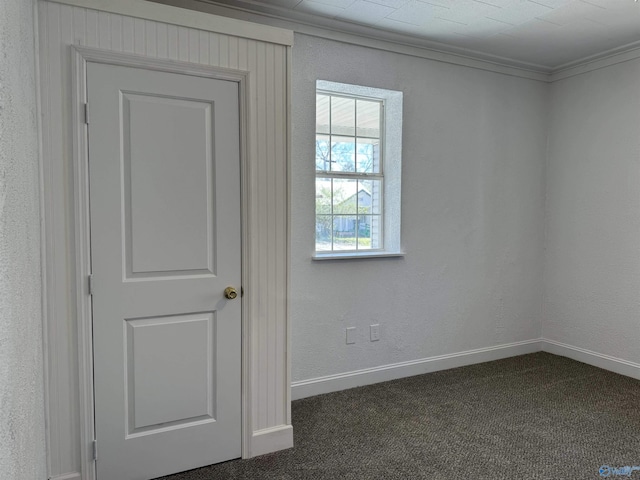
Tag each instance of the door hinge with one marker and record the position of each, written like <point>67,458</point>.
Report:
<point>90,284</point>
<point>95,450</point>
<point>86,113</point>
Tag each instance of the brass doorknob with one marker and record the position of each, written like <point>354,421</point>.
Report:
<point>230,293</point>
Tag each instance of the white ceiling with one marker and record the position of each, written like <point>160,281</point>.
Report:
<point>545,34</point>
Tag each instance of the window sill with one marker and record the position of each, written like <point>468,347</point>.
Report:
<point>354,255</point>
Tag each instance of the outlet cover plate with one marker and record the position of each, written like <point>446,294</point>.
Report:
<point>351,335</point>
<point>374,332</point>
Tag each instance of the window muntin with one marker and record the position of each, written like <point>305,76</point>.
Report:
<point>349,173</point>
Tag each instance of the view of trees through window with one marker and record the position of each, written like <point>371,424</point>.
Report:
<point>349,179</point>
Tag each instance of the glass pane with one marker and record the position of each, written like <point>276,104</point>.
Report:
<point>323,232</point>
<point>323,196</point>
<point>370,196</point>
<point>322,114</point>
<point>364,197</point>
<point>344,232</point>
<point>368,118</point>
<point>368,155</point>
<point>343,154</point>
<point>344,196</point>
<point>323,153</point>
<point>364,232</point>
<point>343,116</point>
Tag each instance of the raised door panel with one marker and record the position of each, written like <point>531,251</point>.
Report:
<point>168,182</point>
<point>170,369</point>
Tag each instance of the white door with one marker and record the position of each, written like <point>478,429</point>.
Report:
<point>165,243</point>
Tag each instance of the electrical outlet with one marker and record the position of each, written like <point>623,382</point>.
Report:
<point>374,332</point>
<point>351,335</point>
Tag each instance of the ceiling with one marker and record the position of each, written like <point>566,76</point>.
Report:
<point>545,35</point>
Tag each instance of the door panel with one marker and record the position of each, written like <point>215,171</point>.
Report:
<point>177,388</point>
<point>169,203</point>
<point>165,242</point>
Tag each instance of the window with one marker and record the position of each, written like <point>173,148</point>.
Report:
<point>357,162</point>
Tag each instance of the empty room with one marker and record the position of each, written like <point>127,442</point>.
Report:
<point>319,239</point>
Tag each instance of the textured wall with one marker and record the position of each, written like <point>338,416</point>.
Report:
<point>592,269</point>
<point>473,206</point>
<point>22,450</point>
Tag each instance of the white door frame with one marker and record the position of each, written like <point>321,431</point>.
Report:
<point>81,56</point>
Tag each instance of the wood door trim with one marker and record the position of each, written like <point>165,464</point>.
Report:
<point>82,251</point>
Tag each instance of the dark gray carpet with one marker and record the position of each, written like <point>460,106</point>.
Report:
<point>536,416</point>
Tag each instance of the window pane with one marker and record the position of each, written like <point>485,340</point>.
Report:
<point>344,232</point>
<point>364,232</point>
<point>322,114</point>
<point>344,196</point>
<point>323,232</point>
<point>364,197</point>
<point>323,196</point>
<point>368,155</point>
<point>343,116</point>
<point>370,196</point>
<point>368,118</point>
<point>343,154</point>
<point>323,153</point>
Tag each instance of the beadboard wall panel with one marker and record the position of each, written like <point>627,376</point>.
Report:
<point>266,211</point>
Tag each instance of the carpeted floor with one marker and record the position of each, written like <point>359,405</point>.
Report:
<point>536,416</point>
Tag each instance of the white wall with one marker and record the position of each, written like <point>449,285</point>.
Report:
<point>22,449</point>
<point>592,267</point>
<point>472,221</point>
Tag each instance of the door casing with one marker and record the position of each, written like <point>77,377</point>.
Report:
<point>81,56</point>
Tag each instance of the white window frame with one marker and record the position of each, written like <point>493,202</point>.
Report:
<point>390,171</point>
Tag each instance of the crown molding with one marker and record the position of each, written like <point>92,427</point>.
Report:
<point>249,19</point>
<point>357,34</point>
<point>596,62</point>
<point>362,35</point>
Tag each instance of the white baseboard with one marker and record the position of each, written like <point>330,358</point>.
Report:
<point>271,440</point>
<point>67,476</point>
<point>613,364</point>
<point>368,376</point>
